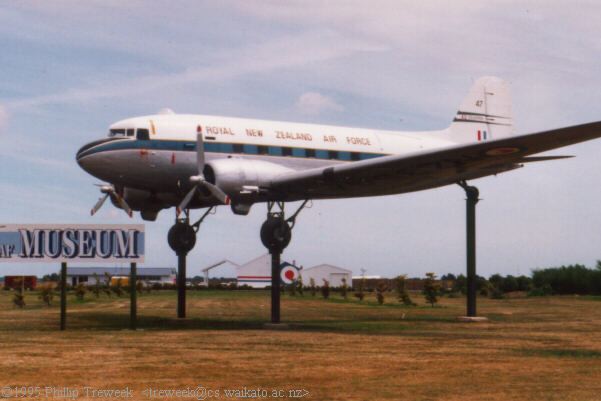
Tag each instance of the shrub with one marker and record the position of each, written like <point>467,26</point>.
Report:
<point>344,289</point>
<point>19,297</point>
<point>360,293</point>
<point>325,289</point>
<point>401,290</point>
<point>80,291</point>
<point>380,289</point>
<point>431,289</point>
<point>46,293</point>
<point>312,287</point>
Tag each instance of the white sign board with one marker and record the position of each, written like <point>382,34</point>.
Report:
<point>93,243</point>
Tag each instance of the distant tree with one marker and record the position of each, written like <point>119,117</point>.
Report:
<point>299,285</point>
<point>292,288</point>
<point>431,288</point>
<point>325,289</point>
<point>51,277</point>
<point>80,291</point>
<point>524,283</point>
<point>496,280</point>
<point>312,287</point>
<point>97,287</point>
<point>117,288</point>
<point>380,290</point>
<point>360,293</point>
<point>449,276</point>
<point>402,294</point>
<point>510,284</point>
<point>46,293</point>
<point>460,284</point>
<point>19,295</point>
<point>343,289</point>
<point>107,284</point>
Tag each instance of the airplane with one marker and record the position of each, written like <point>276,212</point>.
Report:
<point>169,160</point>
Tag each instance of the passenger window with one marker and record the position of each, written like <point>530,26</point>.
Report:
<point>130,132</point>
<point>344,155</point>
<point>298,152</point>
<point>355,156</point>
<point>263,150</point>
<point>275,151</point>
<point>310,152</point>
<point>332,154</point>
<point>143,134</point>
<point>238,148</point>
<point>251,149</point>
<point>321,154</point>
<point>227,148</point>
<point>286,151</point>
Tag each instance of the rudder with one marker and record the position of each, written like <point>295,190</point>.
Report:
<point>484,114</point>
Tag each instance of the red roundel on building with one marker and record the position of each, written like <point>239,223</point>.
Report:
<point>289,274</point>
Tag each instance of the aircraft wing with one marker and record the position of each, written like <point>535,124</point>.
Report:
<point>429,168</point>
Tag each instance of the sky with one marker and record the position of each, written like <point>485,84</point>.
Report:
<point>68,69</point>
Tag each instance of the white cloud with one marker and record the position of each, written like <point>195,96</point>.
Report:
<point>293,51</point>
<point>314,103</point>
<point>3,119</point>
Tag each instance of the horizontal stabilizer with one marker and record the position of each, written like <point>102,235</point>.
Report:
<point>531,159</point>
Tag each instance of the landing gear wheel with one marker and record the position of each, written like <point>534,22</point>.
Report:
<point>275,234</point>
<point>181,238</point>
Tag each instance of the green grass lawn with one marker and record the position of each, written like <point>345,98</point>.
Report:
<point>530,349</point>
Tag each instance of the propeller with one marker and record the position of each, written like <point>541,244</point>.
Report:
<point>109,190</point>
<point>199,180</point>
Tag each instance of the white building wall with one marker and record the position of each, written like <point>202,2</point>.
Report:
<point>256,273</point>
<point>333,274</point>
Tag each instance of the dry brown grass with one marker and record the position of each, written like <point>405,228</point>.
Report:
<point>532,349</point>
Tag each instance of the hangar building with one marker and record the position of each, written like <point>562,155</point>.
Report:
<point>333,274</point>
<point>255,273</point>
<point>88,275</point>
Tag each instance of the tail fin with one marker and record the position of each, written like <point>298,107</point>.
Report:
<point>484,114</point>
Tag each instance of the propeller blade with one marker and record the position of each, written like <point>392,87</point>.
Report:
<point>200,153</point>
<point>217,192</point>
<point>184,204</point>
<point>98,204</point>
<point>123,204</point>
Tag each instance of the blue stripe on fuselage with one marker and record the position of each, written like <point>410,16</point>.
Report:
<point>219,147</point>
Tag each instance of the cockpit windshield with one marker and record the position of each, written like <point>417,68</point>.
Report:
<point>116,132</point>
<point>140,133</point>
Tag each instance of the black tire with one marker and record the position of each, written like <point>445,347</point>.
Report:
<point>275,234</point>
<point>181,238</point>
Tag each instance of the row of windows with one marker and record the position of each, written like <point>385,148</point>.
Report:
<point>286,151</point>
<point>142,134</point>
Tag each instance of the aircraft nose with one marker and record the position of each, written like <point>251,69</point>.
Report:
<point>85,156</point>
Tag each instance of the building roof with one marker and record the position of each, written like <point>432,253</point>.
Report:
<point>119,271</point>
<point>221,262</point>
<point>328,266</point>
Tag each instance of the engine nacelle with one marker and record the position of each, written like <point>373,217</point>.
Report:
<point>140,200</point>
<point>241,178</point>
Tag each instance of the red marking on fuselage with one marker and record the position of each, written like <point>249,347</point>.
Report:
<point>143,153</point>
<point>172,158</point>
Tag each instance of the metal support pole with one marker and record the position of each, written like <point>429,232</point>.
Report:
<point>471,201</point>
<point>63,325</point>
<point>181,285</point>
<point>275,287</point>
<point>133,300</point>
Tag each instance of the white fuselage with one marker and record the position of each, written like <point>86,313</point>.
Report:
<point>156,154</point>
